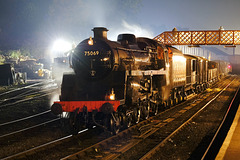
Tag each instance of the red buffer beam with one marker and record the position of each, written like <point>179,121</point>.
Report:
<point>214,37</point>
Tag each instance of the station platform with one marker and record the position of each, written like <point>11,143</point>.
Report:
<point>230,149</point>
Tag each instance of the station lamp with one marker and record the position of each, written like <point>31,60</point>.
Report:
<point>60,48</point>
<point>61,45</point>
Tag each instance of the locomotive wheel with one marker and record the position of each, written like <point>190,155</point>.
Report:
<point>167,104</point>
<point>184,96</point>
<point>180,98</point>
<point>64,123</point>
<point>193,91</point>
<point>207,85</point>
<point>199,89</point>
<point>74,122</point>
<point>126,117</point>
<point>176,101</point>
<point>170,103</point>
<point>136,115</point>
<point>145,111</point>
<point>128,120</point>
<point>154,108</point>
<point>196,90</point>
<point>164,105</point>
<point>115,123</point>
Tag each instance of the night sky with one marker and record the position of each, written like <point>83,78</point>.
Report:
<point>37,23</point>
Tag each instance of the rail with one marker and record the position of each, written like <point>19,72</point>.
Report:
<point>217,141</point>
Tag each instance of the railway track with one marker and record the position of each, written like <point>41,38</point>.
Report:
<point>151,153</point>
<point>13,100</point>
<point>96,145</point>
<point>222,131</point>
<point>26,101</point>
<point>125,143</point>
<point>27,93</point>
<point>34,132</point>
<point>48,150</point>
<point>27,123</point>
<point>23,87</point>
<point>20,115</point>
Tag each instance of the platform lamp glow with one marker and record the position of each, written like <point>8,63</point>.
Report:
<point>61,46</point>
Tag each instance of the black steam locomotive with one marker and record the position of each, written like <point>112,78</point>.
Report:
<point>115,84</point>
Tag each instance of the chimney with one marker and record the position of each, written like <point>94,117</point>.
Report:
<point>100,32</point>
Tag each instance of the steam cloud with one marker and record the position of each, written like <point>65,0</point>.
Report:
<point>132,28</point>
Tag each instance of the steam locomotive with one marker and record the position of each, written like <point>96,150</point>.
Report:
<point>117,83</point>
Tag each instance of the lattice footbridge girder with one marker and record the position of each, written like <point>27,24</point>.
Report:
<point>211,37</point>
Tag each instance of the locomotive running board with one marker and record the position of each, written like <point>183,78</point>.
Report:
<point>147,72</point>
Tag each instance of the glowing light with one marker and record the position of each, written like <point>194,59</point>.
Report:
<point>217,89</point>
<point>90,41</point>
<point>179,58</point>
<point>61,45</point>
<point>141,59</point>
<point>229,66</point>
<point>136,85</point>
<point>105,59</point>
<point>112,96</point>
